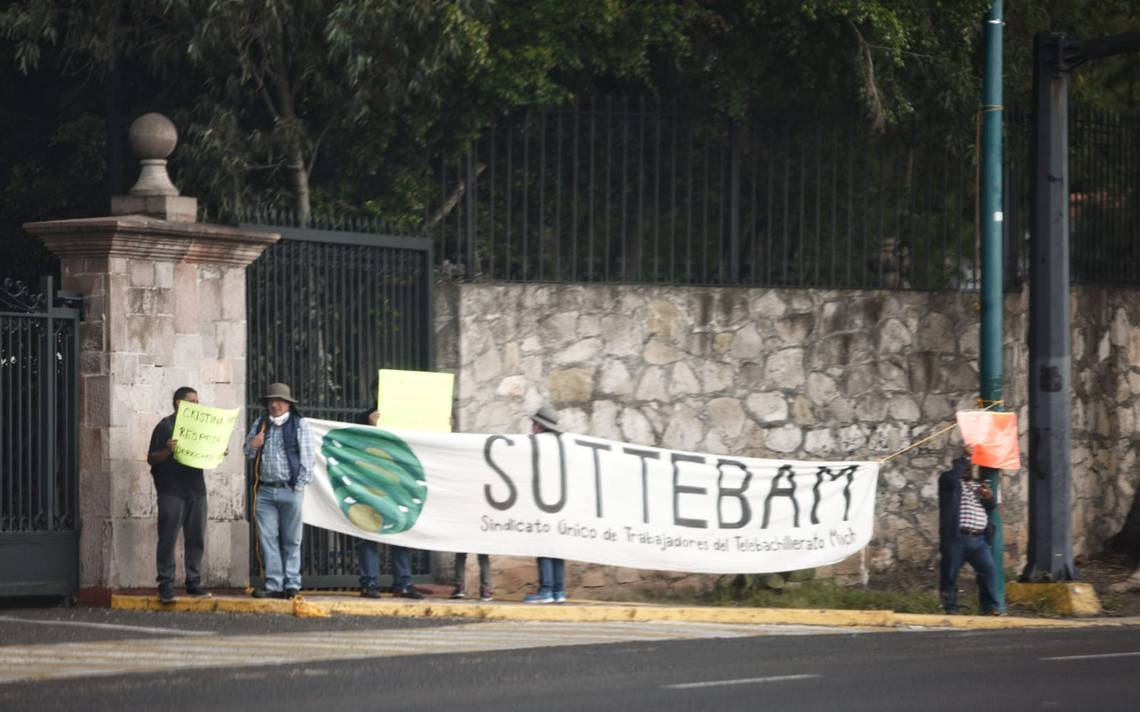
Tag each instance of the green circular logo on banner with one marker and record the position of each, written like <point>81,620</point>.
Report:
<point>377,479</point>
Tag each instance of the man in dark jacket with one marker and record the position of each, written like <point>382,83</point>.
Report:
<point>965,533</point>
<point>181,505</point>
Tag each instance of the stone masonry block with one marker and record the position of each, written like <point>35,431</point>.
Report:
<point>132,553</point>
<point>141,273</point>
<point>94,487</point>
<point>164,275</point>
<point>230,336</point>
<point>95,551</point>
<point>233,294</point>
<point>209,299</point>
<point>185,298</point>
<point>187,350</point>
<point>94,396</point>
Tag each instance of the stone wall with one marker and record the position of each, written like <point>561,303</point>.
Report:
<point>807,374</point>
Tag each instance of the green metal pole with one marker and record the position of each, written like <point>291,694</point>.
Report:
<point>991,252</point>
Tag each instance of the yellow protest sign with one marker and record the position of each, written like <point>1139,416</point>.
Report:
<point>203,434</point>
<point>415,400</point>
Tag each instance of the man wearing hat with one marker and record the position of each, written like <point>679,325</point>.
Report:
<point>551,572</point>
<point>281,445</point>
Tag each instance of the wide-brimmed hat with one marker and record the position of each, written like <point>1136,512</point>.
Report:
<point>279,390</point>
<point>547,417</point>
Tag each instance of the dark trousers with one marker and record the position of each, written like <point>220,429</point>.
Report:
<point>368,554</point>
<point>974,550</point>
<point>484,571</point>
<point>189,515</point>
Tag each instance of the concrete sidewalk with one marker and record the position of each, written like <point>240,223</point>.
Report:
<point>350,604</point>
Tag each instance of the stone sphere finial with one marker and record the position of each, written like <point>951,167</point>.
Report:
<point>153,138</point>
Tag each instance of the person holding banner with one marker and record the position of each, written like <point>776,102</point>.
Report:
<point>965,533</point>
<point>181,494</point>
<point>281,445</point>
<point>368,552</point>
<point>551,571</point>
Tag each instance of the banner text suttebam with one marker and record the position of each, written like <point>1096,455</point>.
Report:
<point>590,499</point>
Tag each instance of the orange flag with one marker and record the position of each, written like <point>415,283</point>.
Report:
<point>994,437</point>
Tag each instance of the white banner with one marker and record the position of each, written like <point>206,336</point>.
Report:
<point>587,499</point>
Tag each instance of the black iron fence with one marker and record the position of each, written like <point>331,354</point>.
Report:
<point>326,309</point>
<point>1104,199</point>
<point>639,193</point>
<point>623,192</point>
<point>39,433</point>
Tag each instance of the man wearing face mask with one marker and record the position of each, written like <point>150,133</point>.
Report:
<point>280,444</point>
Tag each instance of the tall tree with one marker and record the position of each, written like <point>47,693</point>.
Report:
<point>272,78</point>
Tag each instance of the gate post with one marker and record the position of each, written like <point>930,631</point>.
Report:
<point>164,306</point>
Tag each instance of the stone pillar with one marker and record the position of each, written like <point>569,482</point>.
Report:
<point>164,306</point>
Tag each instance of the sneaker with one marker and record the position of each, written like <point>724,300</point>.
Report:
<point>166,593</point>
<point>560,597</point>
<point>291,593</point>
<point>485,595</point>
<point>370,592</point>
<point>197,591</point>
<point>410,592</point>
<point>458,593</point>
<point>266,593</point>
<point>539,598</point>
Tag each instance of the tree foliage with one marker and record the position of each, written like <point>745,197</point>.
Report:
<point>337,104</point>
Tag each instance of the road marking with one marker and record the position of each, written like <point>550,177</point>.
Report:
<point>118,657</point>
<point>1094,657</point>
<point>739,681</point>
<point>108,626</point>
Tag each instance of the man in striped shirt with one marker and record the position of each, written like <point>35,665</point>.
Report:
<point>964,504</point>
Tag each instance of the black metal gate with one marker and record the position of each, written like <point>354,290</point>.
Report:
<point>39,434</point>
<point>326,309</point>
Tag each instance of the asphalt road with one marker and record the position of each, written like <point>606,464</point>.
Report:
<point>394,664</point>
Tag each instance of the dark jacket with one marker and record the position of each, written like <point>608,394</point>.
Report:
<point>171,476</point>
<point>950,502</point>
<point>292,443</point>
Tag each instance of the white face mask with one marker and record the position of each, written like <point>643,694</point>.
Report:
<point>279,420</point>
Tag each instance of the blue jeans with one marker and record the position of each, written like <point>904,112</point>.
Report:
<point>551,575</point>
<point>368,554</point>
<point>975,551</point>
<point>279,529</point>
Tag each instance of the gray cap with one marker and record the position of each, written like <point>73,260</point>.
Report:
<point>547,417</point>
<point>280,391</point>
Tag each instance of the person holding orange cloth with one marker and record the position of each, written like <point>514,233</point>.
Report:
<point>965,534</point>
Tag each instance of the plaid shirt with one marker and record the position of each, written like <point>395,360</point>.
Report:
<point>274,464</point>
<point>972,515</point>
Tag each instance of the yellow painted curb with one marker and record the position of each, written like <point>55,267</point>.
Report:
<point>202,605</point>
<point>1065,598</point>
<point>604,612</point>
